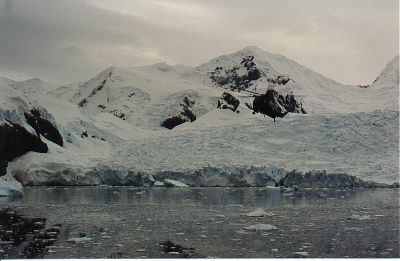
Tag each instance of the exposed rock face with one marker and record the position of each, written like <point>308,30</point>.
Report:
<point>15,141</point>
<point>119,114</point>
<point>319,179</point>
<point>242,76</point>
<point>280,79</point>
<point>238,77</point>
<point>228,101</point>
<point>98,88</point>
<point>185,115</point>
<point>43,126</point>
<point>275,105</point>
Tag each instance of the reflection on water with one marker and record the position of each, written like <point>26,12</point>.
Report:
<point>252,197</point>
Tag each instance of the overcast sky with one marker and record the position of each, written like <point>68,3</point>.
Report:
<point>65,41</point>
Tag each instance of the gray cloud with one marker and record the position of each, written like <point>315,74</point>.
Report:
<point>66,41</point>
<point>72,51</point>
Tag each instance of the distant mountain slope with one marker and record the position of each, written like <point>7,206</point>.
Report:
<point>389,77</point>
<point>385,89</point>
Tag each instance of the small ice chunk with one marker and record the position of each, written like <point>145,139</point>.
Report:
<point>151,178</point>
<point>79,239</point>
<point>174,183</point>
<point>158,184</point>
<point>360,217</point>
<point>301,254</point>
<point>259,212</point>
<point>260,227</point>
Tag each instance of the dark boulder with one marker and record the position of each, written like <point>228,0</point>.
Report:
<point>173,121</point>
<point>228,101</point>
<point>275,105</point>
<point>185,115</point>
<point>15,141</point>
<point>43,126</point>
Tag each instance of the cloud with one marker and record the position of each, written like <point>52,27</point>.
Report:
<point>72,51</point>
<point>41,37</point>
<point>66,41</point>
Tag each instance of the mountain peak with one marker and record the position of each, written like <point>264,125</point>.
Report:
<point>251,48</point>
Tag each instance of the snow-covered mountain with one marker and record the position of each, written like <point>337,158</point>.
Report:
<point>385,89</point>
<point>389,77</point>
<point>145,96</point>
<point>317,93</point>
<point>160,119</point>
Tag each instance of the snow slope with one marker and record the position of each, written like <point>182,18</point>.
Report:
<point>111,124</point>
<point>145,96</point>
<point>385,89</point>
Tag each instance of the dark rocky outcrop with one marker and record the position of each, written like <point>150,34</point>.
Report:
<point>242,76</point>
<point>25,237</point>
<point>98,88</point>
<point>395,185</point>
<point>275,105</point>
<point>320,179</point>
<point>228,101</point>
<point>15,141</point>
<point>43,127</point>
<point>185,115</point>
<point>231,78</point>
<point>118,114</point>
<point>84,134</point>
<point>173,121</point>
<point>178,250</point>
<point>280,79</point>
